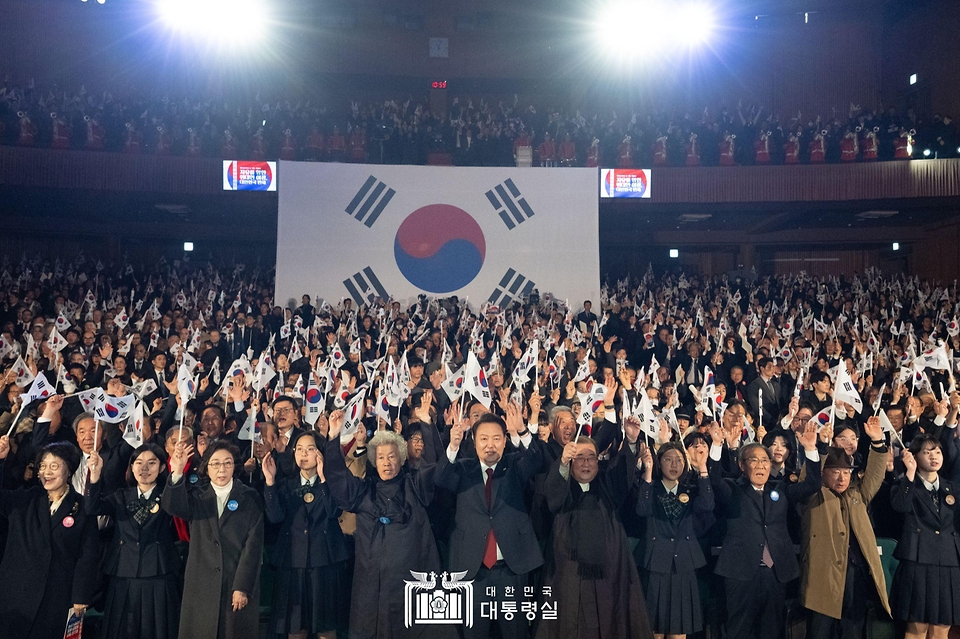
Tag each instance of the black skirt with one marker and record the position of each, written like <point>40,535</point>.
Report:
<point>142,608</point>
<point>311,599</point>
<point>926,594</point>
<point>673,602</point>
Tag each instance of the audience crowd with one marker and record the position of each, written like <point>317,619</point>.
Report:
<point>171,440</point>
<point>472,132</point>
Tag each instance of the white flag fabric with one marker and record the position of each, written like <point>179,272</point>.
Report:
<point>353,415</point>
<point>91,398</point>
<point>823,418</point>
<point>250,430</point>
<point>337,358</point>
<point>143,388</point>
<point>846,391</point>
<point>521,372</point>
<point>56,342</point>
<point>114,410</point>
<point>483,233</point>
<point>885,424</point>
<point>935,358</point>
<point>475,381</point>
<point>133,431</point>
<point>590,403</point>
<point>313,400</point>
<point>186,385</point>
<point>24,376</point>
<point>583,370</point>
<point>40,388</point>
<point>264,373</point>
<point>453,385</point>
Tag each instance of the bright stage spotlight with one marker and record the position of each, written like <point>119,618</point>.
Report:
<point>636,28</point>
<point>236,21</point>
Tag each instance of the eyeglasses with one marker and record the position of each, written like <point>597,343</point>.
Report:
<point>282,411</point>
<point>219,465</point>
<point>54,466</point>
<point>585,459</point>
<point>758,461</point>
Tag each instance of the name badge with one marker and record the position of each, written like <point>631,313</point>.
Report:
<point>68,522</point>
<point>232,505</point>
<point>193,478</point>
<point>384,520</point>
<point>774,495</point>
<point>683,498</point>
<point>155,508</point>
<point>308,497</point>
<point>950,499</point>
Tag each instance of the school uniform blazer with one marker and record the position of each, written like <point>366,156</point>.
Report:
<point>135,551</point>
<point>671,545</point>
<point>49,564</point>
<point>507,515</point>
<point>929,535</point>
<point>310,534</point>
<point>753,518</point>
<point>225,556</point>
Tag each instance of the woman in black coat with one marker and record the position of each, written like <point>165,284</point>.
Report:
<point>50,561</point>
<point>143,598</point>
<point>310,556</point>
<point>669,554</point>
<point>393,534</point>
<point>926,586</point>
<point>221,596</point>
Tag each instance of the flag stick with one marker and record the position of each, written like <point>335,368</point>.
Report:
<point>96,432</point>
<point>14,424</point>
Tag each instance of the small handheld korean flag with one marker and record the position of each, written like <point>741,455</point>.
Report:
<point>353,415</point>
<point>63,323</point>
<point>24,376</point>
<point>133,432</point>
<point>121,319</point>
<point>250,430</point>
<point>143,388</point>
<point>590,403</point>
<point>313,400</point>
<point>846,391</point>
<point>475,381</point>
<point>823,418</point>
<point>453,385</point>
<point>264,373</point>
<point>114,410</point>
<point>521,372</point>
<point>91,398</point>
<point>186,386</point>
<point>337,358</point>
<point>383,405</point>
<point>583,371</point>
<point>39,389</point>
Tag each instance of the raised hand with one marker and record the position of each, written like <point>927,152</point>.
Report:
<point>95,466</point>
<point>514,418</point>
<point>4,447</point>
<point>872,429</point>
<point>336,420</point>
<point>178,461</point>
<point>910,463</point>
<point>808,439</point>
<point>269,470</point>
<point>569,452</point>
<point>631,429</point>
<point>646,459</point>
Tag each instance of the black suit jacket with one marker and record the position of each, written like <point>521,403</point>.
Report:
<point>135,551</point>
<point>310,534</point>
<point>507,516</point>
<point>671,545</point>
<point>754,518</point>
<point>771,401</point>
<point>929,533</point>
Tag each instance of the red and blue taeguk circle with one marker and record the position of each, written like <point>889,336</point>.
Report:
<point>440,248</point>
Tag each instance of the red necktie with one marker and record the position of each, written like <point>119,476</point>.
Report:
<point>490,554</point>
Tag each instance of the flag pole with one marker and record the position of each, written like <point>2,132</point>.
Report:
<point>14,424</point>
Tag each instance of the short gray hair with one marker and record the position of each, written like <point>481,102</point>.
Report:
<point>556,411</point>
<point>79,418</point>
<point>386,438</point>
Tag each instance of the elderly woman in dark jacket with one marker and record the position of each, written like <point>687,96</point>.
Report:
<point>143,598</point>
<point>310,556</point>
<point>393,534</point>
<point>50,561</point>
<point>221,595</point>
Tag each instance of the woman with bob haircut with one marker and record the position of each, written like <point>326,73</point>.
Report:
<point>143,598</point>
<point>310,556</point>
<point>221,595</point>
<point>393,536</point>
<point>50,561</point>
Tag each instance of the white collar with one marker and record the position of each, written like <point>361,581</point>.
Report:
<point>308,482</point>
<point>670,490</point>
<point>934,486</point>
<point>484,467</point>
<point>584,487</point>
<point>145,495</point>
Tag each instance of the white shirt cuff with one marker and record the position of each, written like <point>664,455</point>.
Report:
<point>534,427</point>
<point>525,440</point>
<point>451,455</point>
<point>610,415</point>
<point>716,452</point>
<point>939,420</point>
<point>565,471</point>
<point>238,406</point>
<point>812,455</point>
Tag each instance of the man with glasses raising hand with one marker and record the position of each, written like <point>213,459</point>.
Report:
<point>758,558</point>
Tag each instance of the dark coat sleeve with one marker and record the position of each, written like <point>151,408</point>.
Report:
<point>248,568</point>
<point>85,573</point>
<point>346,489</point>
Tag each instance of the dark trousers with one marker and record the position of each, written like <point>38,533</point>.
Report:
<point>857,591</point>
<point>755,608</point>
<point>498,577</point>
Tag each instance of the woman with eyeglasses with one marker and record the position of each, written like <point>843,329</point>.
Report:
<point>50,561</point>
<point>926,586</point>
<point>670,553</point>
<point>143,597</point>
<point>588,562</point>
<point>310,556</point>
<point>221,596</point>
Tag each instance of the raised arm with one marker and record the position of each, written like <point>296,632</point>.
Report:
<point>347,490</point>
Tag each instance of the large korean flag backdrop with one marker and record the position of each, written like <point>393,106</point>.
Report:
<point>490,234</point>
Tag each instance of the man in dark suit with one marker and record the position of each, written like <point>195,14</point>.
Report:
<point>771,394</point>
<point>493,539</point>
<point>246,337</point>
<point>758,559</point>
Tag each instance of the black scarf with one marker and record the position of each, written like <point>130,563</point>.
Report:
<point>587,529</point>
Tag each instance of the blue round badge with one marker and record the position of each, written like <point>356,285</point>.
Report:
<point>384,520</point>
<point>232,505</point>
<point>193,478</point>
<point>774,495</point>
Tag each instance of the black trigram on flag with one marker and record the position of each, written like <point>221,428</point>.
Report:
<point>512,285</point>
<point>370,200</point>
<point>507,195</point>
<point>364,287</point>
